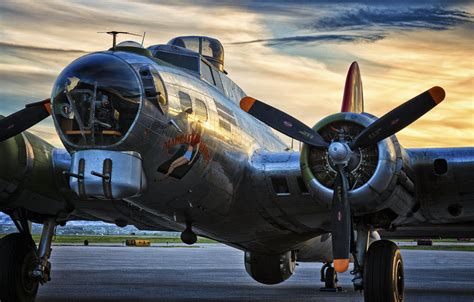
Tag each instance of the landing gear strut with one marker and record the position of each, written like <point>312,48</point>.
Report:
<point>22,266</point>
<point>361,246</point>
<point>43,270</point>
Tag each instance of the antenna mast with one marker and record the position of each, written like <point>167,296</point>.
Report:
<point>115,33</point>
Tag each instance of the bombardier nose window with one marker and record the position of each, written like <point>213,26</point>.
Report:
<point>95,100</point>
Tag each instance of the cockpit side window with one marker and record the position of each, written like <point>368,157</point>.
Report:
<point>218,80</point>
<point>185,101</point>
<point>206,73</point>
<point>201,110</point>
<point>160,88</point>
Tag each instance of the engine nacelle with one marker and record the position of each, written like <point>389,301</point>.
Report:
<point>28,176</point>
<point>272,268</point>
<point>374,171</point>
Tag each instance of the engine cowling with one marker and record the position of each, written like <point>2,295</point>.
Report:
<point>373,171</point>
<point>270,268</point>
<point>28,175</point>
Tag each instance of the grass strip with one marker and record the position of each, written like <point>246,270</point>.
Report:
<point>115,239</point>
<point>461,248</point>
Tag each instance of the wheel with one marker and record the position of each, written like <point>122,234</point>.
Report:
<point>383,273</point>
<point>330,280</point>
<point>17,260</point>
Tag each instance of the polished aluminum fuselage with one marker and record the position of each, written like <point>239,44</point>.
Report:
<point>245,188</point>
<point>229,196</point>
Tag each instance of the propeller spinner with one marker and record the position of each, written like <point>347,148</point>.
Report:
<point>340,152</point>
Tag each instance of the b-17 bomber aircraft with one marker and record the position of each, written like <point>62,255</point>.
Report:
<point>162,139</point>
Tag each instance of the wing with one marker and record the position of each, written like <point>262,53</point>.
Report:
<point>441,196</point>
<point>444,181</point>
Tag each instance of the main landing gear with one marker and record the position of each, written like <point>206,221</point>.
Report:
<point>378,269</point>
<point>383,273</point>
<point>23,266</point>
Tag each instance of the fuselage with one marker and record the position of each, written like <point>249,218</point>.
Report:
<point>215,194</point>
<point>207,163</point>
<point>220,183</point>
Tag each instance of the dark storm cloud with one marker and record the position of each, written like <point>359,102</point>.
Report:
<point>360,23</point>
<point>434,18</point>
<point>11,46</point>
<point>436,12</point>
<point>315,39</point>
<point>259,5</point>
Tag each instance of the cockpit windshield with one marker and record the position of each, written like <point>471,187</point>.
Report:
<point>95,100</point>
<point>208,47</point>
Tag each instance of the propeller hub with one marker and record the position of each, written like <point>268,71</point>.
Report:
<point>339,152</point>
<point>361,163</point>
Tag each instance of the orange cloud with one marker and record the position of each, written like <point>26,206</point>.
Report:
<point>394,69</point>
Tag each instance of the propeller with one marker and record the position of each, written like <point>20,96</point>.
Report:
<point>399,118</point>
<point>282,122</point>
<point>21,120</point>
<point>341,222</point>
<point>340,153</point>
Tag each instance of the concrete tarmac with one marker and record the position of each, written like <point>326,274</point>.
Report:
<point>216,272</point>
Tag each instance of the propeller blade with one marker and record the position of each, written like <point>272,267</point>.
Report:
<point>341,222</point>
<point>22,120</point>
<point>399,118</point>
<point>282,122</point>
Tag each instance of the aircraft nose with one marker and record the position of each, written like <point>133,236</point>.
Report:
<point>95,100</point>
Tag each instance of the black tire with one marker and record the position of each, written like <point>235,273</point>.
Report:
<point>383,273</point>
<point>17,259</point>
<point>330,279</point>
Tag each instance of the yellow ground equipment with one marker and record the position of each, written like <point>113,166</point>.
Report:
<point>137,242</point>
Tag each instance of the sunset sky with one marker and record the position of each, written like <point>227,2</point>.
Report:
<point>292,54</point>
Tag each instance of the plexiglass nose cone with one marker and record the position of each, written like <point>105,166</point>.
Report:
<point>95,100</point>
